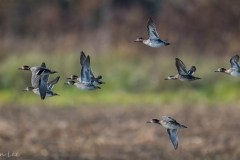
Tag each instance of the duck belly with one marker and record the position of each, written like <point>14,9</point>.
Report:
<point>37,93</point>
<point>87,88</point>
<point>170,126</point>
<point>155,44</point>
<point>47,94</point>
<point>185,79</point>
<point>235,73</point>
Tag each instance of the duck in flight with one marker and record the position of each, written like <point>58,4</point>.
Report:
<point>235,68</point>
<point>40,76</point>
<point>94,80</point>
<point>183,74</point>
<point>172,128</point>
<point>154,39</point>
<point>49,93</point>
<point>85,80</point>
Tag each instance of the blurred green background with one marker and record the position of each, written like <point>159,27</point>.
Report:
<point>202,33</point>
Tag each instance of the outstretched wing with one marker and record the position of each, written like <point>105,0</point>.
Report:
<point>192,70</point>
<point>172,133</point>
<point>43,82</point>
<point>52,83</point>
<point>85,71</point>
<point>152,30</point>
<point>91,74</point>
<point>35,80</point>
<point>82,58</point>
<point>181,67</point>
<point>234,62</point>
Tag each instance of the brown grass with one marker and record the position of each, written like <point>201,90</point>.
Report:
<point>116,133</point>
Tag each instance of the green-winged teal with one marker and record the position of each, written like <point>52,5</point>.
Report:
<point>235,68</point>
<point>154,39</point>
<point>94,80</point>
<point>183,74</point>
<point>172,127</point>
<point>85,81</point>
<point>49,92</point>
<point>40,76</point>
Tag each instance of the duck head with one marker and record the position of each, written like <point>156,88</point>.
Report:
<point>170,77</point>
<point>154,121</point>
<point>24,68</point>
<point>73,77</point>
<point>140,39</point>
<point>220,70</point>
<point>28,89</point>
<point>69,83</point>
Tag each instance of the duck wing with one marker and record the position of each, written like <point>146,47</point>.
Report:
<point>234,62</point>
<point>91,72</point>
<point>52,83</point>
<point>35,79</point>
<point>181,67</point>
<point>85,71</point>
<point>43,82</point>
<point>168,119</point>
<point>152,30</point>
<point>192,70</point>
<point>172,133</point>
<point>82,58</point>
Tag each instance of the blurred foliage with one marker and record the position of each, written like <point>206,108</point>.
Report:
<point>201,26</point>
<point>130,80</point>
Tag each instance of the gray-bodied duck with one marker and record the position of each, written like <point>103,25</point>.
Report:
<point>235,68</point>
<point>85,81</point>
<point>154,39</point>
<point>183,74</point>
<point>49,92</point>
<point>172,128</point>
<point>94,80</point>
<point>40,76</point>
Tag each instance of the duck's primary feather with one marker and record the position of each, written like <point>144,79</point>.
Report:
<point>152,30</point>
<point>172,133</point>
<point>234,63</point>
<point>181,67</point>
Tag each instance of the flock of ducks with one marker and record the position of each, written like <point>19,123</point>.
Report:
<point>43,88</point>
<point>87,80</point>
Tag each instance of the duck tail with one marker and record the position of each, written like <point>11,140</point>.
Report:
<point>182,126</point>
